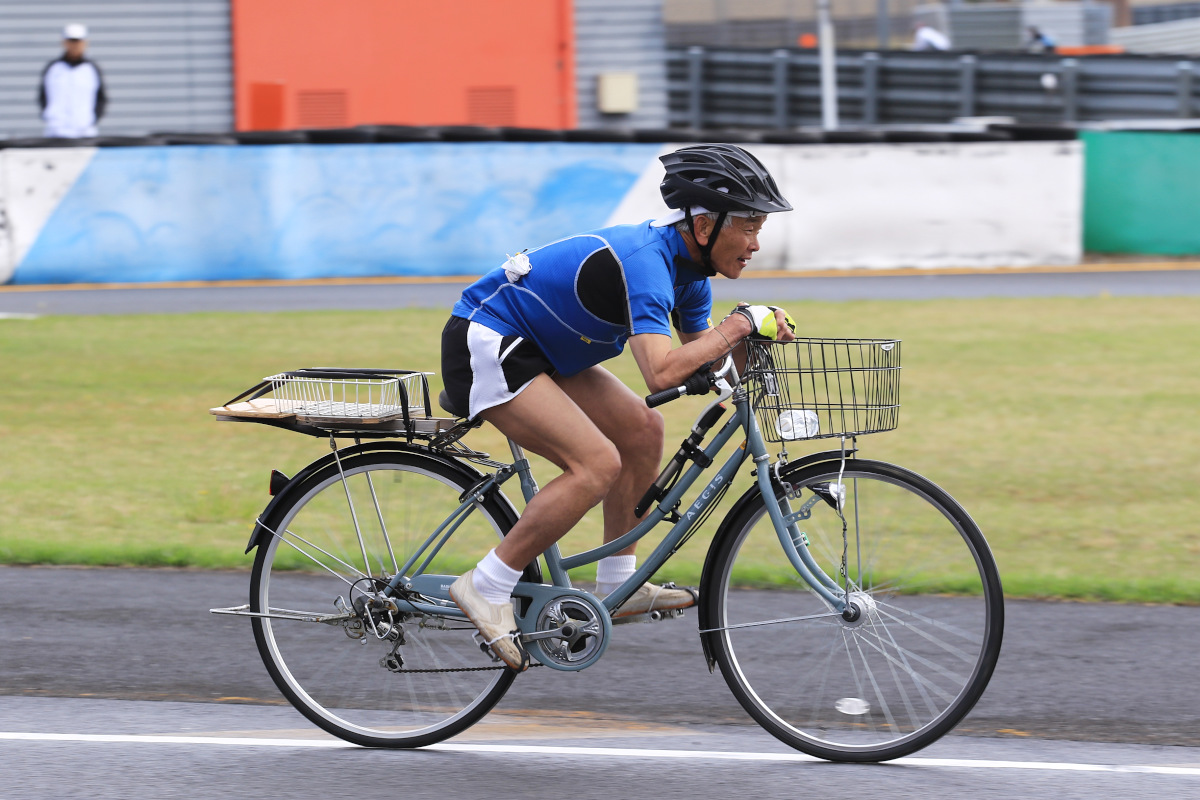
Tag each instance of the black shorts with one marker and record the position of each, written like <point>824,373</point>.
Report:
<point>482,368</point>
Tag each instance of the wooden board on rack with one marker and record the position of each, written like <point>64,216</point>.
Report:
<point>266,409</point>
<point>262,408</point>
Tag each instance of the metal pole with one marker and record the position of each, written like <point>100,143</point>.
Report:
<point>696,86</point>
<point>1070,89</point>
<point>780,63</point>
<point>966,86</point>
<point>828,55</point>
<point>883,24</point>
<point>1184,89</point>
<point>870,70</point>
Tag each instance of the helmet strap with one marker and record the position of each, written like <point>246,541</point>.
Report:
<point>706,249</point>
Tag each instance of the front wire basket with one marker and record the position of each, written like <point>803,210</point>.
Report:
<point>824,388</point>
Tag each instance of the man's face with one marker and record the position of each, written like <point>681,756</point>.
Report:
<point>735,246</point>
<point>74,47</point>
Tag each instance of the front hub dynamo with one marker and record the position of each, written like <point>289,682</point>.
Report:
<point>580,639</point>
<point>860,609</point>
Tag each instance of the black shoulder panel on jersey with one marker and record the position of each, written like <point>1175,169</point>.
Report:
<point>600,286</point>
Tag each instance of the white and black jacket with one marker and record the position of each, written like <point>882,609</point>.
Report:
<point>71,97</point>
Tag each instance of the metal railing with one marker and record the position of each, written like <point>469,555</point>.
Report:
<point>1148,15</point>
<point>728,88</point>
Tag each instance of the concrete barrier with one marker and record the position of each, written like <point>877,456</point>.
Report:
<point>150,214</point>
<point>883,206</point>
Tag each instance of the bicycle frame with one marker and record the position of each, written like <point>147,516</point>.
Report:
<point>754,446</point>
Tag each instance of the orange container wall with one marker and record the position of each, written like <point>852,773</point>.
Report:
<point>315,63</point>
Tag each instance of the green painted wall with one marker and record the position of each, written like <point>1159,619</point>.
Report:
<point>1141,192</point>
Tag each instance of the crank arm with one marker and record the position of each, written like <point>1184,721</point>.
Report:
<point>565,632</point>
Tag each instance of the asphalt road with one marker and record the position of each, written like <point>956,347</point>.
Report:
<point>371,294</point>
<point>119,683</point>
<point>110,678</point>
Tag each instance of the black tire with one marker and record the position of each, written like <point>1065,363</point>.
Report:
<point>916,660</point>
<point>335,674</point>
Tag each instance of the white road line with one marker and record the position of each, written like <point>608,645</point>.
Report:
<point>605,752</point>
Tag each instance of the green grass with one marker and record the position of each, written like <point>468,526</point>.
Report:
<point>1068,428</point>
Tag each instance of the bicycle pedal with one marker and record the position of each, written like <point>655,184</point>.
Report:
<point>483,647</point>
<point>671,613</point>
<point>650,616</point>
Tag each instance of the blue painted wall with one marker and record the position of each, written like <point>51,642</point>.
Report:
<point>213,213</point>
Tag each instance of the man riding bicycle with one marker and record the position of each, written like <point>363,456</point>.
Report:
<point>523,349</point>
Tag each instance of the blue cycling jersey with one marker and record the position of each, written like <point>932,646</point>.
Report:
<point>585,295</point>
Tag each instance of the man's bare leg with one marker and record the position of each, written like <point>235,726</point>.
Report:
<point>637,432</point>
<point>634,429</point>
<point>545,420</point>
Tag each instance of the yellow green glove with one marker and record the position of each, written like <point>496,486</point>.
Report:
<point>762,321</point>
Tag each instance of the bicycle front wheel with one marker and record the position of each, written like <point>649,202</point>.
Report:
<point>914,660</point>
<point>330,544</point>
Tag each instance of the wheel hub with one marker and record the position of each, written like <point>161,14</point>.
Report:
<point>861,607</point>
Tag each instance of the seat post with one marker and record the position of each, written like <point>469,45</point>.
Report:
<point>529,486</point>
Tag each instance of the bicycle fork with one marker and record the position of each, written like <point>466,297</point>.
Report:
<point>793,540</point>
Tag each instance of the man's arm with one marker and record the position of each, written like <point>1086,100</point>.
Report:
<point>42,87</point>
<point>101,94</point>
<point>664,367</point>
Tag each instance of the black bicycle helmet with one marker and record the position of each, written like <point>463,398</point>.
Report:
<point>719,177</point>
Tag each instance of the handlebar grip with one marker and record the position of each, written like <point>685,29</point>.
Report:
<point>699,383</point>
<point>665,396</point>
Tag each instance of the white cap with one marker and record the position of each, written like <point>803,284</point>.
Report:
<point>677,215</point>
<point>75,31</point>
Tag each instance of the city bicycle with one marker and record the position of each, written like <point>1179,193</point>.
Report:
<point>878,629</point>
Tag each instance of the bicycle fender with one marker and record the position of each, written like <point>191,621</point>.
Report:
<point>707,577</point>
<point>326,461</point>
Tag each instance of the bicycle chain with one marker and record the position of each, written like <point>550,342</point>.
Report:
<point>457,669</point>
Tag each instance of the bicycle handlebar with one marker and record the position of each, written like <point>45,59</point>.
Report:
<point>699,383</point>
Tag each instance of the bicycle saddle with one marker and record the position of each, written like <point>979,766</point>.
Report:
<point>448,407</point>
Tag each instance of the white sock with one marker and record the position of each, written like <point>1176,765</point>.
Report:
<point>612,571</point>
<point>494,579</point>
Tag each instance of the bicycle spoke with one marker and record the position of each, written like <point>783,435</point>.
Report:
<point>809,618</point>
<point>908,669</point>
<point>819,697</point>
<point>912,673</point>
<point>878,695</point>
<point>287,532</point>
<point>970,638</point>
<point>353,514</point>
<point>387,540</point>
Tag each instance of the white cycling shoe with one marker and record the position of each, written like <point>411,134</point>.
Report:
<point>652,597</point>
<point>496,622</point>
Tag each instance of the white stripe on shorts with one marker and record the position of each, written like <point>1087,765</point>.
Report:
<point>489,386</point>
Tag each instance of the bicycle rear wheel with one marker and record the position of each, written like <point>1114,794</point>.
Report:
<point>916,659</point>
<point>403,683</point>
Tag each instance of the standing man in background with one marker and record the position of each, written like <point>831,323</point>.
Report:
<point>71,95</point>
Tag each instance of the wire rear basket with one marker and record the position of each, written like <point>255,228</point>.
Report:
<point>350,394</point>
<point>824,388</point>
